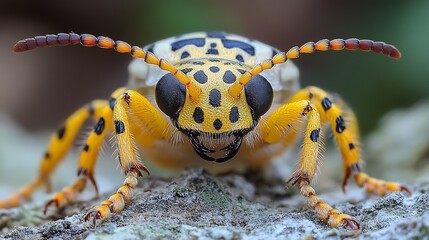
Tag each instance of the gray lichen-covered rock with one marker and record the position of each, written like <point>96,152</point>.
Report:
<point>199,205</point>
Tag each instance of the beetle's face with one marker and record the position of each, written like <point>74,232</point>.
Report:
<point>215,122</point>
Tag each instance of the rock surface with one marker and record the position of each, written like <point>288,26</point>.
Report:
<point>197,205</point>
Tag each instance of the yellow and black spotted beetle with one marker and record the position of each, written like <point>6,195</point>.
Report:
<point>221,101</point>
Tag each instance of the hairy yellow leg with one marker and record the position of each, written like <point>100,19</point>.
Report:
<point>345,128</point>
<point>274,129</point>
<point>325,212</point>
<point>130,105</point>
<point>59,145</point>
<point>89,154</point>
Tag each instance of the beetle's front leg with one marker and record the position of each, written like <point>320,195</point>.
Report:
<point>275,128</point>
<point>135,107</point>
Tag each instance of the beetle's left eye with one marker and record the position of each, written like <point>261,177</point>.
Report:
<point>259,95</point>
<point>170,95</point>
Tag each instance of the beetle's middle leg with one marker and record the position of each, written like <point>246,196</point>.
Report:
<point>275,127</point>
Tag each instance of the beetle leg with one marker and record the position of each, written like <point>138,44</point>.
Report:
<point>274,128</point>
<point>59,145</point>
<point>345,128</point>
<point>88,156</point>
<point>130,108</point>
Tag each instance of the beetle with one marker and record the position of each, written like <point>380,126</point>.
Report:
<point>207,99</point>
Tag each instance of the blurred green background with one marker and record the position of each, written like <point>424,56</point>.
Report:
<point>40,88</point>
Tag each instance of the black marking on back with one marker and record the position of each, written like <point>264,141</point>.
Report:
<point>212,51</point>
<point>199,42</point>
<point>119,127</point>
<point>215,98</point>
<point>239,58</point>
<point>186,70</point>
<point>216,34</point>
<point>229,77</point>
<point>242,71</point>
<point>227,43</point>
<point>198,63</point>
<point>198,115</point>
<point>150,48</point>
<point>200,77</point>
<point>214,69</point>
<point>185,54</point>
<point>61,133</point>
<point>234,115</point>
<point>99,127</point>
<point>274,52</point>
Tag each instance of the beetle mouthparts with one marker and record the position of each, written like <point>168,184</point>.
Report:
<point>202,150</point>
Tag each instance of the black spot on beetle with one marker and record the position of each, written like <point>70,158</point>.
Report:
<point>200,77</point>
<point>214,69</point>
<point>150,48</point>
<point>212,51</point>
<point>99,127</point>
<point>314,135</point>
<point>228,43</point>
<point>217,124</point>
<point>215,98</point>
<point>185,54</point>
<point>239,58</point>
<point>214,60</point>
<point>213,45</point>
<point>326,103</point>
<point>61,132</point>
<point>198,115</point>
<point>242,71</point>
<point>119,127</point>
<point>199,42</point>
<point>229,77</point>
<point>234,115</point>
<point>274,52</point>
<point>86,148</point>
<point>341,125</point>
<point>198,63</point>
<point>186,70</point>
<point>351,146</point>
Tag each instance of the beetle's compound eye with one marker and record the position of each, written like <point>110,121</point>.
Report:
<point>259,96</point>
<point>170,95</point>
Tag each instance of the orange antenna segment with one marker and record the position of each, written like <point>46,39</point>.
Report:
<point>310,47</point>
<point>88,40</point>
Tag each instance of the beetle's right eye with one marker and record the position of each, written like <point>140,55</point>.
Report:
<point>170,95</point>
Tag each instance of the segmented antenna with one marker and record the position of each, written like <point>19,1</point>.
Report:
<point>88,40</point>
<point>310,47</point>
